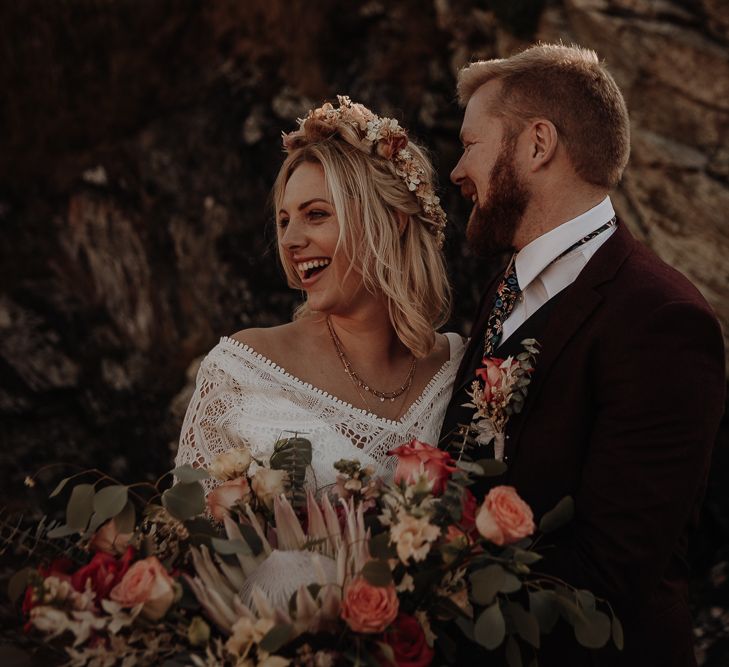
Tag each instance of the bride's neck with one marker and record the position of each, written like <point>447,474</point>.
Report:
<point>368,339</point>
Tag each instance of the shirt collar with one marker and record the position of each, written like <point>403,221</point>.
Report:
<point>533,258</point>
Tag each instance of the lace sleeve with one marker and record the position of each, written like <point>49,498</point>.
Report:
<point>200,436</point>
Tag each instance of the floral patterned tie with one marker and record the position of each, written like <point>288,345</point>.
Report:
<point>506,295</point>
<point>508,292</point>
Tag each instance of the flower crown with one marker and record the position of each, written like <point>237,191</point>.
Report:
<point>370,133</point>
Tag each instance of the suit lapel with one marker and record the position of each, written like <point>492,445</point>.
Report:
<point>580,300</point>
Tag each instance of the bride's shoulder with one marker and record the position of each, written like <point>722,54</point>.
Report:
<point>275,343</point>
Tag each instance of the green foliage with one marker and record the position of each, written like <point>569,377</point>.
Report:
<point>490,627</point>
<point>228,547</point>
<point>490,580</point>
<point>543,604</point>
<point>294,456</point>
<point>377,573</point>
<point>562,514</point>
<point>108,502</point>
<point>80,506</point>
<point>184,500</point>
<point>187,474</point>
<point>276,637</point>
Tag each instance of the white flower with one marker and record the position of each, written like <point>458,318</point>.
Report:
<point>231,464</point>
<point>268,483</point>
<point>412,536</point>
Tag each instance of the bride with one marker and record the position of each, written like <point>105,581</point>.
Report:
<point>361,369</point>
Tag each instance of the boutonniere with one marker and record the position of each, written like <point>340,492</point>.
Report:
<point>498,392</point>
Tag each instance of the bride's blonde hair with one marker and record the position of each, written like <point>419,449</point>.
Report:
<point>403,262</point>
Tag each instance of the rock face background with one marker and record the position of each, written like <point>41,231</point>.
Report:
<point>139,142</point>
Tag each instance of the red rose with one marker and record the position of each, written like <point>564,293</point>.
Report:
<point>468,511</point>
<point>407,640</point>
<point>416,456</point>
<point>491,375</point>
<point>104,571</point>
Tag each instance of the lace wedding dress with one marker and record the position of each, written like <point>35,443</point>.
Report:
<point>243,397</point>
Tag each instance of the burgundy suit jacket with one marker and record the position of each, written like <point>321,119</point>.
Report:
<point>622,414</point>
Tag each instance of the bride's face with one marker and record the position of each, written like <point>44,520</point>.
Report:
<point>308,232</point>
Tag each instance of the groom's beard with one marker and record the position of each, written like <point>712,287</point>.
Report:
<point>491,227</point>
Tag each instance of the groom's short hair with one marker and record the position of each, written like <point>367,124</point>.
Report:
<point>568,86</point>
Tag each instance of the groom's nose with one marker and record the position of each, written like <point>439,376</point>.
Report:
<point>457,174</point>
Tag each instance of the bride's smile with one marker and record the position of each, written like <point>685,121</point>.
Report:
<point>309,237</point>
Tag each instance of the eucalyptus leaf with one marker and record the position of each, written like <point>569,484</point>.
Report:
<point>380,546</point>
<point>586,600</point>
<point>251,537</point>
<point>526,624</point>
<point>387,652</point>
<point>18,583</point>
<point>228,547</point>
<point>377,573</point>
<point>562,513</point>
<point>59,487</point>
<point>126,519</point>
<point>80,506</point>
<point>276,637</point>
<point>543,604</point>
<point>110,500</point>
<point>61,531</point>
<point>466,627</point>
<point>471,467</point>
<point>485,583</point>
<point>490,628</point>
<point>510,584</point>
<point>593,629</point>
<point>187,474</point>
<point>528,557</point>
<point>617,632</point>
<point>513,653</point>
<point>184,500</point>
<point>492,467</point>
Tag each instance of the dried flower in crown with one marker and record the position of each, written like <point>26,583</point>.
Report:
<point>373,134</point>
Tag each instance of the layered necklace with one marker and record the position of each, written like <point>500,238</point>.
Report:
<point>358,382</point>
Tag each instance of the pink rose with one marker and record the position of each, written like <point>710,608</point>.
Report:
<point>491,375</point>
<point>368,608</point>
<point>223,497</point>
<point>109,540</point>
<point>148,583</point>
<point>436,463</point>
<point>504,517</point>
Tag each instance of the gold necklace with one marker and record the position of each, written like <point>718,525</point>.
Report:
<point>358,382</point>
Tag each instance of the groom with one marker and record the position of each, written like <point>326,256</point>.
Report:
<point>625,401</point>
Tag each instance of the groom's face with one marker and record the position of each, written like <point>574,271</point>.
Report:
<point>487,173</point>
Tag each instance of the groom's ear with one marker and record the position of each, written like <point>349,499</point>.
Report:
<point>543,141</point>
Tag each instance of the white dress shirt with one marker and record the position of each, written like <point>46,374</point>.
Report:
<point>540,277</point>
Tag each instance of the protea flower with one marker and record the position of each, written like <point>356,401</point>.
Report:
<point>261,586</point>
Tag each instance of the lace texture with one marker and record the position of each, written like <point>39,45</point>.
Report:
<point>241,397</point>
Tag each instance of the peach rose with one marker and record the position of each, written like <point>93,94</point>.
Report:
<point>416,456</point>
<point>231,464</point>
<point>504,517</point>
<point>268,483</point>
<point>148,583</point>
<point>223,497</point>
<point>109,540</point>
<point>368,608</point>
<point>492,376</point>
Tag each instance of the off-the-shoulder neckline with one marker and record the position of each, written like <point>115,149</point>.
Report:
<point>338,401</point>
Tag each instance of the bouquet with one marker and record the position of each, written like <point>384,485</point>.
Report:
<point>242,564</point>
